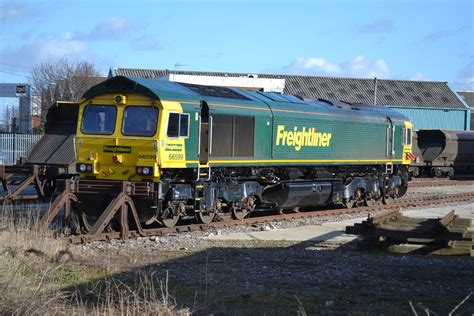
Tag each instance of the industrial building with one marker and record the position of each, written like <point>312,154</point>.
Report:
<point>468,97</point>
<point>428,104</point>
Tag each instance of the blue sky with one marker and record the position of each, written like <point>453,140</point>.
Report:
<point>404,39</point>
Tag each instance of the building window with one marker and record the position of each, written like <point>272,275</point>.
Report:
<point>388,97</point>
<point>445,100</point>
<point>399,93</point>
<point>417,99</point>
<point>427,94</point>
<point>178,125</point>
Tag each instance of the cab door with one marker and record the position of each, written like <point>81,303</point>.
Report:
<point>390,139</point>
<point>204,134</point>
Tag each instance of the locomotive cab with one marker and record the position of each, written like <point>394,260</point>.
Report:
<point>117,138</point>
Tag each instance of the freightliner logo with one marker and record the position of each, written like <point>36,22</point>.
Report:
<point>306,137</point>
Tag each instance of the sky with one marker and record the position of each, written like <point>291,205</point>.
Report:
<point>404,39</point>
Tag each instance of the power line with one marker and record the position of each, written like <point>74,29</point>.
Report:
<point>14,74</point>
<point>10,65</point>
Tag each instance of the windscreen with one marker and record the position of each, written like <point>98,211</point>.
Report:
<point>99,119</point>
<point>140,121</point>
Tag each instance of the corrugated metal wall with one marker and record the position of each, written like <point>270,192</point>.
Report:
<point>436,118</point>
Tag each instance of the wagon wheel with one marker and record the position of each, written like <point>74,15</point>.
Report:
<point>239,213</point>
<point>349,203</point>
<point>205,217</point>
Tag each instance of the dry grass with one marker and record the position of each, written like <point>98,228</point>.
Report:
<point>38,276</point>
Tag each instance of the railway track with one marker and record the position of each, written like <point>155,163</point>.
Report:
<point>229,222</point>
<point>419,183</point>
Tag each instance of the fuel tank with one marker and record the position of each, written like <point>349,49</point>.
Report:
<point>299,194</point>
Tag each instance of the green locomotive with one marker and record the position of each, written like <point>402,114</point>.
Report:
<point>203,151</point>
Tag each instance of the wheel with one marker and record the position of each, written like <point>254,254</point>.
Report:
<point>403,189</point>
<point>387,199</point>
<point>239,213</point>
<point>171,221</point>
<point>205,217</point>
<point>169,218</point>
<point>349,203</point>
<point>49,186</point>
<point>369,202</point>
<point>437,173</point>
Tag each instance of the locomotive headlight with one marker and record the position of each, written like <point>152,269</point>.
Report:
<point>146,171</point>
<point>120,99</point>
<point>84,167</point>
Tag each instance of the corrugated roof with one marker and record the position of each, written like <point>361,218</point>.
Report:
<point>468,97</point>
<point>396,93</point>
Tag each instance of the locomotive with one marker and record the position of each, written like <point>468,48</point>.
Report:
<point>193,151</point>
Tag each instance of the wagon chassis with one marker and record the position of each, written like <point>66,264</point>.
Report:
<point>31,175</point>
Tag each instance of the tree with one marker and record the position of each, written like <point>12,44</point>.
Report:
<point>61,80</point>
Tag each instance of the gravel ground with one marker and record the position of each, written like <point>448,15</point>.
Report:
<point>262,277</point>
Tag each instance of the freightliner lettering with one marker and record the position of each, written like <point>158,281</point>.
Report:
<point>306,137</point>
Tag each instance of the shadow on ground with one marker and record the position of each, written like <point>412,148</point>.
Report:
<point>258,278</point>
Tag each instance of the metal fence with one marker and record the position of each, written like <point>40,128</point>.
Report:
<point>14,146</point>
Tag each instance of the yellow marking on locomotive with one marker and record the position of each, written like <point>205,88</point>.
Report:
<point>116,156</point>
<point>250,161</point>
<point>407,146</point>
<point>302,138</point>
<point>172,149</point>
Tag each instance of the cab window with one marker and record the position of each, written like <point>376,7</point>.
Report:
<point>178,125</point>
<point>407,136</point>
<point>99,119</point>
<point>139,121</point>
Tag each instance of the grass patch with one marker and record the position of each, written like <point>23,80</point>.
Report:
<point>38,276</point>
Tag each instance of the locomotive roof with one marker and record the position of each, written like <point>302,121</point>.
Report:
<point>393,93</point>
<point>158,89</point>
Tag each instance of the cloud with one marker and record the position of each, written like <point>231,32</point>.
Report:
<point>146,42</point>
<point>441,34</point>
<point>312,65</point>
<point>113,27</point>
<point>379,26</point>
<point>36,50</point>
<point>358,67</point>
<point>466,75</point>
<point>14,10</point>
<point>417,76</point>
